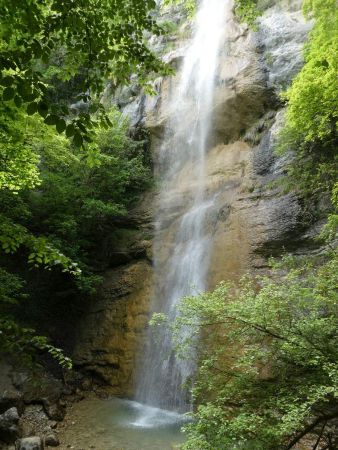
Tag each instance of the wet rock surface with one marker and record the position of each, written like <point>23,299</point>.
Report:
<point>282,33</point>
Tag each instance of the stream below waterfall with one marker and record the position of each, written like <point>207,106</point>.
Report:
<point>115,424</point>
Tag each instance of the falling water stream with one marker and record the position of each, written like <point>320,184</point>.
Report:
<point>181,266</point>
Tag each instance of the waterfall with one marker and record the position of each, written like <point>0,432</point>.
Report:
<point>182,242</point>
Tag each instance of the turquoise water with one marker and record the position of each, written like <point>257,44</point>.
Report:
<point>116,424</point>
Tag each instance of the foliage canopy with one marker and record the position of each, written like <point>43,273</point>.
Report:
<point>91,40</point>
<point>63,222</point>
<point>247,11</point>
<point>312,105</point>
<point>268,372</point>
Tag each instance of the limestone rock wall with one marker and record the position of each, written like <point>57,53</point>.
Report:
<point>249,221</point>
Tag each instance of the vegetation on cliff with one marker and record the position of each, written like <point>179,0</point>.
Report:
<point>56,231</point>
<point>91,41</point>
<point>312,100</point>
<point>247,11</point>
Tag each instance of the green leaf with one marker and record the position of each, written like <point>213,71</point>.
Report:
<point>31,96</point>
<point>70,130</point>
<point>60,126</point>
<point>52,119</point>
<point>43,109</point>
<point>32,108</point>
<point>82,127</point>
<point>17,101</point>
<point>7,81</point>
<point>45,57</point>
<point>78,140</point>
<point>109,122</point>
<point>93,108</point>
<point>8,94</point>
<point>26,92</point>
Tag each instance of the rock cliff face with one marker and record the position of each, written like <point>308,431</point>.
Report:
<point>113,327</point>
<point>249,220</point>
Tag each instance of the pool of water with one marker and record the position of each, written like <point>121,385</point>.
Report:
<point>116,424</point>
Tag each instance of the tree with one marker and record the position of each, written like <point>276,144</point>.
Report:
<point>65,222</point>
<point>268,371</point>
<point>313,97</point>
<point>94,40</point>
<point>84,195</point>
<point>247,11</point>
<point>312,104</point>
<point>54,54</point>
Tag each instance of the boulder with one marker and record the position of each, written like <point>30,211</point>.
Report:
<point>9,429</point>
<point>51,440</point>
<point>40,387</point>
<point>30,443</point>
<point>35,422</point>
<point>54,411</point>
<point>9,395</point>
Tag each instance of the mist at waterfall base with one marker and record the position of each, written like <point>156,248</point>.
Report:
<point>181,268</point>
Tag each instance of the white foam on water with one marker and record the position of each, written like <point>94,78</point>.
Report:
<point>143,416</point>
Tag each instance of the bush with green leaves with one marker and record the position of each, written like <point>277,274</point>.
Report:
<point>188,5</point>
<point>247,11</point>
<point>266,349</point>
<point>79,197</point>
<point>82,197</point>
<point>312,106</point>
<point>18,163</point>
<point>268,359</point>
<point>313,97</point>
<point>68,173</point>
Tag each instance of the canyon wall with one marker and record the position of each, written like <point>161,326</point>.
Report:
<point>250,219</point>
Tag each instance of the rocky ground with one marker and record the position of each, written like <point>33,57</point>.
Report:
<point>38,411</point>
<point>33,405</point>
